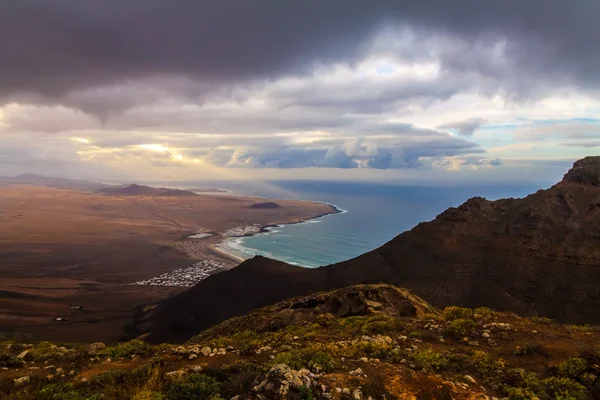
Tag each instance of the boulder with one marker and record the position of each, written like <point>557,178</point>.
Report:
<point>206,351</point>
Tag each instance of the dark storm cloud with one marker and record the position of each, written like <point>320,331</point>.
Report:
<point>465,128</point>
<point>52,48</point>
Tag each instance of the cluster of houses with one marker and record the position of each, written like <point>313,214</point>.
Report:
<point>184,277</point>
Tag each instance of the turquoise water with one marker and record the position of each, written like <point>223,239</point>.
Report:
<point>373,214</point>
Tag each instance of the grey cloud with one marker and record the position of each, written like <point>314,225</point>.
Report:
<point>466,127</point>
<point>590,144</point>
<point>52,48</point>
<point>481,161</point>
<point>369,152</point>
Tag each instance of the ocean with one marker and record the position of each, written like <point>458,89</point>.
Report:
<point>372,214</point>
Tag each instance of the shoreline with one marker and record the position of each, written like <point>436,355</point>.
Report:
<point>199,246</point>
<point>220,246</point>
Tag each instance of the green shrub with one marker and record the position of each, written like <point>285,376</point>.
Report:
<point>134,347</point>
<point>326,320</point>
<point>451,313</point>
<point>565,389</point>
<point>514,393</point>
<point>531,350</point>
<point>246,342</point>
<point>573,367</point>
<point>148,395</point>
<point>460,327</point>
<point>380,325</point>
<point>111,377</point>
<point>194,387</point>
<point>63,391</point>
<point>541,320</point>
<point>10,361</point>
<point>238,378</point>
<point>436,361</point>
<point>484,313</point>
<point>305,358</point>
<point>306,393</point>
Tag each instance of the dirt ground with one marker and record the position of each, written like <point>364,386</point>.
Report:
<point>72,255</point>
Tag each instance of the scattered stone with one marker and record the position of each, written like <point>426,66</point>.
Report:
<point>205,351</point>
<point>357,372</point>
<point>263,349</point>
<point>470,379</point>
<point>180,350</point>
<point>175,375</point>
<point>22,381</point>
<point>346,391</point>
<point>364,359</point>
<point>24,355</point>
<point>192,356</point>
<point>485,335</point>
<point>84,380</point>
<point>357,395</point>
<point>195,368</point>
<point>473,343</point>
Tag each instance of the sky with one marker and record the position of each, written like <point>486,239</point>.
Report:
<point>419,91</point>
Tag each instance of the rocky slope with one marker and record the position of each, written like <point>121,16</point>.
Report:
<point>539,255</point>
<point>360,342</point>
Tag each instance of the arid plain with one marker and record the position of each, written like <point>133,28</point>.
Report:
<point>68,257</point>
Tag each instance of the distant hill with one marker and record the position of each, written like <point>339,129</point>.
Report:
<point>538,255</point>
<point>62,183</point>
<point>264,206</point>
<point>141,190</point>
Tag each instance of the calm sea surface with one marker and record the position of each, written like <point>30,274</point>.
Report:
<point>373,214</point>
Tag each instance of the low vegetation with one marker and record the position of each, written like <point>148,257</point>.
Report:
<point>457,353</point>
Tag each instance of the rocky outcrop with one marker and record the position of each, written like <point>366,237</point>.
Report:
<point>538,255</point>
<point>281,381</point>
<point>585,171</point>
<point>353,301</point>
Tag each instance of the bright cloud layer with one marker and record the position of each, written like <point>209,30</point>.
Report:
<point>350,90</point>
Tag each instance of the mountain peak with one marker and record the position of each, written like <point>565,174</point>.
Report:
<point>585,171</point>
<point>30,176</point>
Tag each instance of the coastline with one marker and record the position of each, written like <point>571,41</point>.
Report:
<point>224,245</point>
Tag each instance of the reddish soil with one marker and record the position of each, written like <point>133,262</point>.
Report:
<point>61,248</point>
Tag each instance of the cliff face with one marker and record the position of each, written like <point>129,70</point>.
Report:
<point>539,255</point>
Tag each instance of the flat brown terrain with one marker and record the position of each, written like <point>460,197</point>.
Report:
<point>72,255</point>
